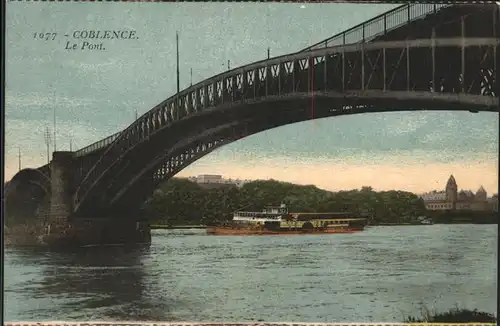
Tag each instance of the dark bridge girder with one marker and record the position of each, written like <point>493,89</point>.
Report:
<point>420,72</point>
<point>189,149</point>
<point>25,194</point>
<point>409,21</point>
<point>406,22</point>
<point>421,20</point>
<point>154,162</point>
<point>82,163</point>
<point>173,160</point>
<point>32,176</point>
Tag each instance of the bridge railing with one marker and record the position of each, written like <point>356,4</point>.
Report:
<point>45,169</point>
<point>97,145</point>
<point>363,32</point>
<point>211,92</point>
<point>379,25</point>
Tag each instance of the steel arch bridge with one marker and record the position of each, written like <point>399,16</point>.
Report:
<point>415,57</point>
<point>27,194</point>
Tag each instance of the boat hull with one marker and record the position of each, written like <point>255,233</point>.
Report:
<point>235,231</point>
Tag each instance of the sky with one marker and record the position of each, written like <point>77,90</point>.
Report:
<point>95,93</point>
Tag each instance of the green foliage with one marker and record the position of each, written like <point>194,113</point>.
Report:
<point>455,315</point>
<point>182,202</point>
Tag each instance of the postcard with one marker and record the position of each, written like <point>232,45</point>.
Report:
<point>250,163</point>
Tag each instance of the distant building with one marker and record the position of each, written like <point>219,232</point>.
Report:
<point>452,199</point>
<point>493,201</point>
<point>216,180</point>
<point>209,178</point>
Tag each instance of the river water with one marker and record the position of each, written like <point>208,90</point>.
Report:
<point>382,274</point>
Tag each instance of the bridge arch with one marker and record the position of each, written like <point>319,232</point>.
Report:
<point>31,176</point>
<point>339,77</point>
<point>26,195</point>
<point>133,187</point>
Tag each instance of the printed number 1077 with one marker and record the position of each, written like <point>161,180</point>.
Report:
<point>45,36</point>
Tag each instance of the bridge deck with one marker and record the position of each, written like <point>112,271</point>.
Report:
<point>414,57</point>
<point>379,25</point>
<point>387,23</point>
<point>405,19</point>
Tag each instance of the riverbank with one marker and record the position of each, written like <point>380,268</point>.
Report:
<point>176,227</point>
<point>463,217</point>
<point>395,224</point>
<point>188,227</point>
<point>436,223</point>
<point>25,235</point>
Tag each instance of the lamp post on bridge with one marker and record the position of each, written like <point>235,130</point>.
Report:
<point>47,142</point>
<point>178,75</point>
<point>54,113</point>
<point>177,46</point>
<point>19,157</point>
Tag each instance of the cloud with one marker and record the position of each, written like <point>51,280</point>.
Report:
<point>86,67</point>
<point>34,99</point>
<point>406,124</point>
<point>29,137</point>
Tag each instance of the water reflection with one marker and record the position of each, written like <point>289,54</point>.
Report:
<point>110,279</point>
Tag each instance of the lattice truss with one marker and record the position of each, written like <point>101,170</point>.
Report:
<point>455,61</point>
<point>423,66</point>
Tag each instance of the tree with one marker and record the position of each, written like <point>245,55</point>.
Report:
<point>182,202</point>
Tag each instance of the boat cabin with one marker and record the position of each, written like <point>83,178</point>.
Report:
<point>322,216</point>
<point>270,214</point>
<point>281,209</point>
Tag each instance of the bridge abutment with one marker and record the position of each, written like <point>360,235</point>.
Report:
<point>65,231</point>
<point>60,201</point>
<point>58,227</point>
<point>111,231</point>
<point>81,232</point>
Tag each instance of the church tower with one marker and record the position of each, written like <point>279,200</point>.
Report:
<point>451,191</point>
<point>481,194</point>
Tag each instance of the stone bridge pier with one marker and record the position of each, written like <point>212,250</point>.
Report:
<point>64,230</point>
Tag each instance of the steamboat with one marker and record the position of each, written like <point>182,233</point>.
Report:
<point>276,220</point>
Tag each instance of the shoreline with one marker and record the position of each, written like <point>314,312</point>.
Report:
<point>200,227</point>
<point>33,236</point>
<point>176,227</point>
